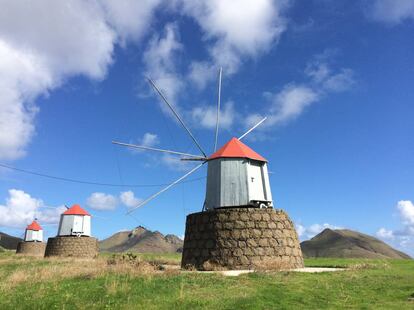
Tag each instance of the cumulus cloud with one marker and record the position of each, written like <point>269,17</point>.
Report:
<point>403,237</point>
<point>206,116</point>
<point>128,199</point>
<point>234,30</point>
<point>160,58</point>
<point>293,99</point>
<point>102,201</point>
<point>150,139</point>
<point>21,208</point>
<point>323,76</point>
<point>290,102</point>
<point>130,18</point>
<point>35,60</point>
<point>406,210</point>
<point>392,11</point>
<point>201,72</point>
<point>312,230</point>
<point>385,233</point>
<point>108,202</point>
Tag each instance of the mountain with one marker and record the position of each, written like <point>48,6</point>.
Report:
<point>9,242</point>
<point>141,240</point>
<point>348,244</point>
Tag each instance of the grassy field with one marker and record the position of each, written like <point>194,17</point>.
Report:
<point>140,283</point>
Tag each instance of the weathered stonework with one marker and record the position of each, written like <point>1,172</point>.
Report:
<point>31,248</point>
<point>241,238</point>
<point>71,246</point>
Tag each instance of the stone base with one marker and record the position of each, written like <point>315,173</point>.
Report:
<point>71,246</point>
<point>31,248</point>
<point>241,238</point>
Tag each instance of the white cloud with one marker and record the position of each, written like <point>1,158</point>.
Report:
<point>289,103</point>
<point>35,60</point>
<point>102,201</point>
<point>300,230</point>
<point>312,230</point>
<point>286,105</point>
<point>406,209</point>
<point>392,11</point>
<point>323,76</point>
<point>160,58</point>
<point>20,209</point>
<point>206,116</point>
<point>130,18</point>
<point>236,29</point>
<point>128,199</point>
<point>174,162</point>
<point>150,139</point>
<point>385,233</point>
<point>201,72</point>
<point>402,238</point>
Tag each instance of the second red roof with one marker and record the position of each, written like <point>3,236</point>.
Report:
<point>34,226</point>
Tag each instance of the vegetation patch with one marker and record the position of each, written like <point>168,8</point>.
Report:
<point>132,281</point>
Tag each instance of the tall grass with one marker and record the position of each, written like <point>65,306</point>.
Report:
<point>141,282</point>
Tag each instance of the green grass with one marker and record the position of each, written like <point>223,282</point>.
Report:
<point>368,284</point>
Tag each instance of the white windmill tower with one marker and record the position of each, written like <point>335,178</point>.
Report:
<point>75,221</point>
<point>34,232</point>
<point>237,176</point>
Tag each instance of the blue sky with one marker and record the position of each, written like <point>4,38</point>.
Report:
<point>334,78</point>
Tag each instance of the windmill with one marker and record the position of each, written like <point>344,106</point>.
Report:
<point>32,244</point>
<point>74,235</point>
<point>236,175</point>
<point>238,227</point>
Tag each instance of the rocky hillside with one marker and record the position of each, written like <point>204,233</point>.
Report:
<point>8,242</point>
<point>141,240</point>
<point>348,244</point>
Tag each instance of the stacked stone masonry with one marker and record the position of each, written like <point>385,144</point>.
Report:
<point>71,246</point>
<point>31,248</point>
<point>241,238</point>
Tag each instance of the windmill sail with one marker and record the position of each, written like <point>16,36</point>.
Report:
<point>166,188</point>
<point>177,116</point>
<point>157,150</point>
<point>218,108</point>
<point>251,129</point>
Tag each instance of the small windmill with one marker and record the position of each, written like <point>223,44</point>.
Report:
<point>33,232</point>
<point>236,175</point>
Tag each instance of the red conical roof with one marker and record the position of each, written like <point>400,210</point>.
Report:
<point>76,210</point>
<point>235,148</point>
<point>34,226</point>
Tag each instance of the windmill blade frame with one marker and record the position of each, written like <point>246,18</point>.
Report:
<point>177,116</point>
<point>155,149</point>
<point>251,129</point>
<point>165,188</point>
<point>218,107</point>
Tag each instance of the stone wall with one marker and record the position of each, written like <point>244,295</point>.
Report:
<point>241,238</point>
<point>31,248</point>
<point>71,246</point>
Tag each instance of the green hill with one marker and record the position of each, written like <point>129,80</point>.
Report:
<point>141,240</point>
<point>9,242</point>
<point>345,243</point>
